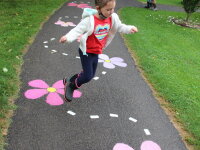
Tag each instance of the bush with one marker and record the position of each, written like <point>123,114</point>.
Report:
<point>190,6</point>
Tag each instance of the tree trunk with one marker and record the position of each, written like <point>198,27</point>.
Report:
<point>188,16</point>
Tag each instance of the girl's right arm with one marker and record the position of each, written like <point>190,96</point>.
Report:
<point>73,34</point>
<point>63,39</point>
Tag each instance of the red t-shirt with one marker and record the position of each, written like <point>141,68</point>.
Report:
<point>97,40</point>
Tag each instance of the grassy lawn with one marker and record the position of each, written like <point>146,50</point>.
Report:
<point>169,55</point>
<point>20,20</point>
<point>166,2</point>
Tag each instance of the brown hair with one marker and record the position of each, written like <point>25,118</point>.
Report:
<point>102,3</point>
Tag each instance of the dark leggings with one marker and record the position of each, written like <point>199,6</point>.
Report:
<point>89,65</point>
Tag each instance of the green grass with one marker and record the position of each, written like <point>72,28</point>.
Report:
<point>20,20</point>
<point>170,57</point>
<point>166,2</point>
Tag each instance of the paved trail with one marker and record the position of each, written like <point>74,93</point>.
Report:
<point>116,107</point>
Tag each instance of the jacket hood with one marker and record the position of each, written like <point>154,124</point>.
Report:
<point>88,12</point>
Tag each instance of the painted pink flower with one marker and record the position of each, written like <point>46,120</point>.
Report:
<point>41,88</point>
<point>146,145</point>
<point>149,145</point>
<point>79,5</point>
<point>122,146</point>
<point>64,24</point>
<point>111,62</point>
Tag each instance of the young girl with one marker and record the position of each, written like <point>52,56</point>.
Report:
<point>97,28</point>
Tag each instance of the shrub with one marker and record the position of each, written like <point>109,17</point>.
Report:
<point>190,6</point>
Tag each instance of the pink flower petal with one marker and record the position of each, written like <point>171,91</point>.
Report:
<point>35,93</point>
<point>108,65</point>
<point>38,84</point>
<point>121,64</point>
<point>72,4</point>
<point>58,85</point>
<point>54,99</point>
<point>77,94</point>
<point>103,56</point>
<point>64,25</point>
<point>121,146</point>
<point>70,24</point>
<point>60,91</point>
<point>59,22</point>
<point>83,6</point>
<point>114,59</point>
<point>149,145</point>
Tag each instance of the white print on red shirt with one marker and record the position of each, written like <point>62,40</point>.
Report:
<point>101,31</point>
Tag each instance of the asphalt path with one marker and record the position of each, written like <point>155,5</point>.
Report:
<point>115,111</point>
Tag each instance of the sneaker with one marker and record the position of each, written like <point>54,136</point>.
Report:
<point>155,9</point>
<point>146,7</point>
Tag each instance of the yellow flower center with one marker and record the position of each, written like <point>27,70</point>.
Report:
<point>107,61</point>
<point>51,89</point>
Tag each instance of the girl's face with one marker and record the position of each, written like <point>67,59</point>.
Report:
<point>108,9</point>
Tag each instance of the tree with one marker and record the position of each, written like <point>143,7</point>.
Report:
<point>190,6</point>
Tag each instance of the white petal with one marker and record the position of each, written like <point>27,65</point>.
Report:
<point>103,56</point>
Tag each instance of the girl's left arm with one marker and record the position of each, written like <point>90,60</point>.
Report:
<point>123,28</point>
<point>134,29</point>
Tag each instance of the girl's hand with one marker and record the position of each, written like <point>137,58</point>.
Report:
<point>134,29</point>
<point>63,39</point>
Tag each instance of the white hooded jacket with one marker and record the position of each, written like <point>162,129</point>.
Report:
<point>86,27</point>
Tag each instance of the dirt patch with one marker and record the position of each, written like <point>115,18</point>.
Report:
<point>184,23</point>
